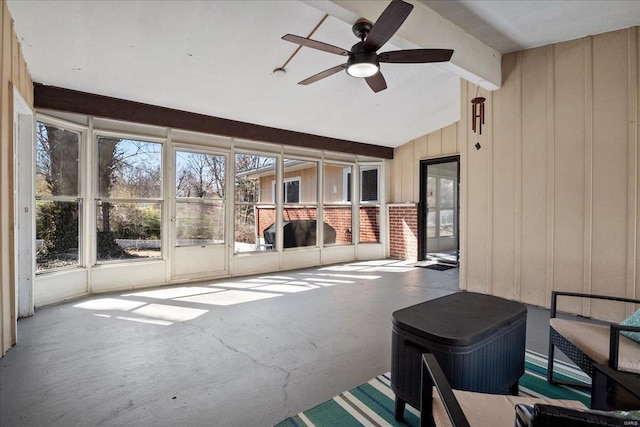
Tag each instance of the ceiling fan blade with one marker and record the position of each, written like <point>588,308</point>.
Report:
<point>315,44</point>
<point>415,56</point>
<point>387,25</point>
<point>321,75</point>
<point>376,82</point>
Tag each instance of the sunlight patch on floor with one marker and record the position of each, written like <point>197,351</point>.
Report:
<point>172,313</point>
<point>109,304</point>
<point>228,297</point>
<point>171,292</point>
<point>287,288</point>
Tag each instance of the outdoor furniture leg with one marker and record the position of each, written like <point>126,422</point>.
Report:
<point>399,411</point>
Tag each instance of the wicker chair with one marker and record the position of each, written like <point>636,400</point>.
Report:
<point>587,343</point>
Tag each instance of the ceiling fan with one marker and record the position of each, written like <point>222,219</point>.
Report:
<point>363,61</point>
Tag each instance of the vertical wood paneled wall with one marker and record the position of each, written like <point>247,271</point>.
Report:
<point>13,73</point>
<point>551,200</point>
<point>405,166</point>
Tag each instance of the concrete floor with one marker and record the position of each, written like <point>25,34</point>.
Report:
<point>238,352</point>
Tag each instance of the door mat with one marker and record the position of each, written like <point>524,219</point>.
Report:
<point>439,267</point>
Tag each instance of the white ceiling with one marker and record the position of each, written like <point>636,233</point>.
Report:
<point>217,57</point>
<point>508,26</point>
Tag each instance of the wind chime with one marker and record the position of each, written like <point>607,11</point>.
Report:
<point>478,112</point>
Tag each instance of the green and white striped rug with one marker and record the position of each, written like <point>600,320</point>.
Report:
<point>372,403</point>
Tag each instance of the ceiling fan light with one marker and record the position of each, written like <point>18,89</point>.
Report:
<point>362,69</point>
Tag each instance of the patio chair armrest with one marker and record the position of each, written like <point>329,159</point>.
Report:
<point>432,375</point>
<point>556,294</point>
<point>614,342</point>
<point>628,381</point>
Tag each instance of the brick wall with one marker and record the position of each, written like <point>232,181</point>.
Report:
<point>337,216</point>
<point>403,232</point>
<point>369,224</point>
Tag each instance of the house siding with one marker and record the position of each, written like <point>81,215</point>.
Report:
<point>551,200</point>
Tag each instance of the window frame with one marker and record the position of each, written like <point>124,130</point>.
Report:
<point>285,181</point>
<point>80,198</point>
<point>208,201</point>
<point>256,204</point>
<point>346,202</point>
<point>348,184</point>
<point>98,198</point>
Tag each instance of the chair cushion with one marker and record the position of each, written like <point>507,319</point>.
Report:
<point>633,320</point>
<point>490,410</point>
<point>593,340</point>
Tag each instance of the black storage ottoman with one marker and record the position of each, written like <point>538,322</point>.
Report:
<point>478,340</point>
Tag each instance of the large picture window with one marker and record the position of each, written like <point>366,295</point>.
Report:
<point>200,180</point>
<point>58,201</point>
<point>129,203</point>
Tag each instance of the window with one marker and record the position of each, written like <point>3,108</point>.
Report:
<point>369,205</point>
<point>337,208</point>
<point>292,190</point>
<point>254,209</point>
<point>291,187</point>
<point>129,204</point>
<point>441,203</point>
<point>58,201</point>
<point>200,180</point>
<point>368,184</point>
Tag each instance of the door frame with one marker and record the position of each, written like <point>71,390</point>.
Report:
<point>24,205</point>
<point>422,204</point>
<point>218,252</point>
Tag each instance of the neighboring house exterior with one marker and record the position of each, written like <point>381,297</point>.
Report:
<point>300,199</point>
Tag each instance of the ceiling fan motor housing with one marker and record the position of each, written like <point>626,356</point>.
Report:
<point>362,60</point>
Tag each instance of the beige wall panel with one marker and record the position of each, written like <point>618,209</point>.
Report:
<point>15,58</point>
<point>477,210</point>
<point>569,191</point>
<point>400,156</point>
<point>434,144</point>
<point>504,183</point>
<point>610,91</point>
<point>7,315</point>
<point>333,183</point>
<point>450,140</point>
<point>22,87</point>
<point>392,173</point>
<point>5,325</point>
<point>420,147</point>
<point>309,188</point>
<point>557,176</point>
<point>634,135</point>
<point>534,106</point>
<point>409,163</point>
<point>29,91</point>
